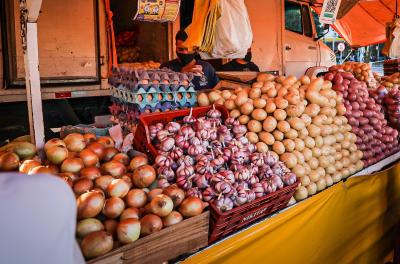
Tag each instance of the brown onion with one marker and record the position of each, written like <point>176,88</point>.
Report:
<point>87,226</point>
<point>53,142</point>
<point>110,225</point>
<point>109,153</point>
<point>70,175</point>
<point>82,186</point>
<point>75,142</point>
<point>122,157</point>
<point>118,188</point>
<point>172,219</point>
<point>114,168</point>
<point>192,206</point>
<point>176,194</point>
<point>98,149</point>
<point>96,244</point>
<point>102,182</point>
<point>73,165</point>
<point>138,161</point>
<point>41,170</point>
<point>149,224</point>
<point>161,205</point>
<point>144,176</point>
<point>89,158</point>
<point>57,154</point>
<point>130,213</point>
<point>153,193</point>
<point>53,169</point>
<point>90,173</point>
<point>90,204</point>
<point>113,207</point>
<point>72,154</point>
<point>27,165</point>
<point>136,198</point>
<point>9,161</point>
<point>128,180</point>
<point>89,137</point>
<point>128,230</point>
<point>107,142</point>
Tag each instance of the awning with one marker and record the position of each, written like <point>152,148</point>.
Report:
<point>365,23</point>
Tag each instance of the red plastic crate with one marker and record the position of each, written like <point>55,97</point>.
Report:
<point>142,140</point>
<point>223,224</point>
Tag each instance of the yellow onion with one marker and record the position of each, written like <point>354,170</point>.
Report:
<point>87,226</point>
<point>192,206</point>
<point>89,137</point>
<point>110,225</point>
<point>90,173</point>
<point>153,193</point>
<point>107,142</point>
<point>98,149</point>
<point>53,169</point>
<point>118,188</point>
<point>122,157</point>
<point>96,244</point>
<point>136,198</point>
<point>176,194</point>
<point>128,230</point>
<point>73,165</point>
<point>82,186</point>
<point>89,158</point>
<point>161,205</point>
<point>114,168</point>
<point>41,170</point>
<point>75,142</point>
<point>109,154</point>
<point>27,165</point>
<point>53,142</point>
<point>113,207</point>
<point>9,161</point>
<point>24,150</point>
<point>150,223</point>
<point>128,180</point>
<point>130,213</point>
<point>138,161</point>
<point>144,176</point>
<point>57,154</point>
<point>102,182</point>
<point>90,204</point>
<point>172,219</point>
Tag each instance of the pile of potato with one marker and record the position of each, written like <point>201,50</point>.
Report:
<point>392,80</point>
<point>302,121</point>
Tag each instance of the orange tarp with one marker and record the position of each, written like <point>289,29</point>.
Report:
<point>365,23</point>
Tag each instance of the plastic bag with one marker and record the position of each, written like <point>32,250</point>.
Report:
<point>394,51</point>
<point>233,34</point>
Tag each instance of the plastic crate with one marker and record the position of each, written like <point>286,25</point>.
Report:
<point>142,140</point>
<point>223,224</point>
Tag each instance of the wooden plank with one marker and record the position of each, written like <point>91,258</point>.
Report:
<point>171,242</point>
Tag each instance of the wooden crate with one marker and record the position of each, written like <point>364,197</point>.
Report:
<point>169,243</point>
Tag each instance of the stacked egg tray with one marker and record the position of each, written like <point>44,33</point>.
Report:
<point>138,91</point>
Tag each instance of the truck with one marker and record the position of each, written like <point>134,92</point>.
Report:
<point>75,47</point>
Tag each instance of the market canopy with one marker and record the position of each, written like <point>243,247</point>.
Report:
<point>363,22</point>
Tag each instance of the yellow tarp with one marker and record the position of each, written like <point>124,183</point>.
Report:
<point>351,222</point>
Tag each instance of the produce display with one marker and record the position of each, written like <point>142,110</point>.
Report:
<point>211,158</point>
<point>391,81</point>
<point>143,91</point>
<point>116,199</point>
<point>374,137</point>
<point>147,65</point>
<point>361,71</point>
<point>302,121</point>
<point>126,49</point>
<point>392,106</point>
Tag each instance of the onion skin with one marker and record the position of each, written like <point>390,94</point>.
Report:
<point>144,176</point>
<point>73,165</point>
<point>103,181</point>
<point>87,226</point>
<point>138,161</point>
<point>121,157</point>
<point>27,165</point>
<point>128,230</point>
<point>40,169</point>
<point>90,204</point>
<point>114,168</point>
<point>96,244</point>
<point>113,207</point>
<point>90,173</point>
<point>191,206</point>
<point>176,194</point>
<point>82,186</point>
<point>98,149</point>
<point>161,205</point>
<point>150,224</point>
<point>9,161</point>
<point>75,142</point>
<point>89,158</point>
<point>130,213</point>
<point>172,219</point>
<point>136,198</point>
<point>118,188</point>
<point>109,154</point>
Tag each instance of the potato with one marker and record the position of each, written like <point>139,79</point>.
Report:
<point>299,156</point>
<point>243,119</point>
<point>241,98</point>
<point>291,134</point>
<point>278,135</point>
<point>299,144</point>
<point>303,133</point>
<point>259,103</point>
<point>282,91</point>
<point>281,103</point>
<point>246,108</point>
<point>296,123</point>
<point>254,126</point>
<point>272,92</point>
<point>289,145</point>
<point>255,93</point>
<point>289,159</point>
<point>203,100</point>
<point>269,124</point>
<point>259,114</point>
<point>230,104</point>
<point>312,189</point>
<point>313,130</point>
<point>319,142</point>
<point>313,162</point>
<point>309,142</point>
<point>220,101</point>
<point>261,147</point>
<point>226,94</point>
<point>301,193</point>
<point>235,113</point>
<point>213,96</point>
<point>252,137</point>
<point>299,171</point>
<point>280,114</point>
<point>314,176</point>
<point>312,110</point>
<point>278,147</point>
<point>270,106</point>
<point>283,126</point>
<point>266,137</point>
